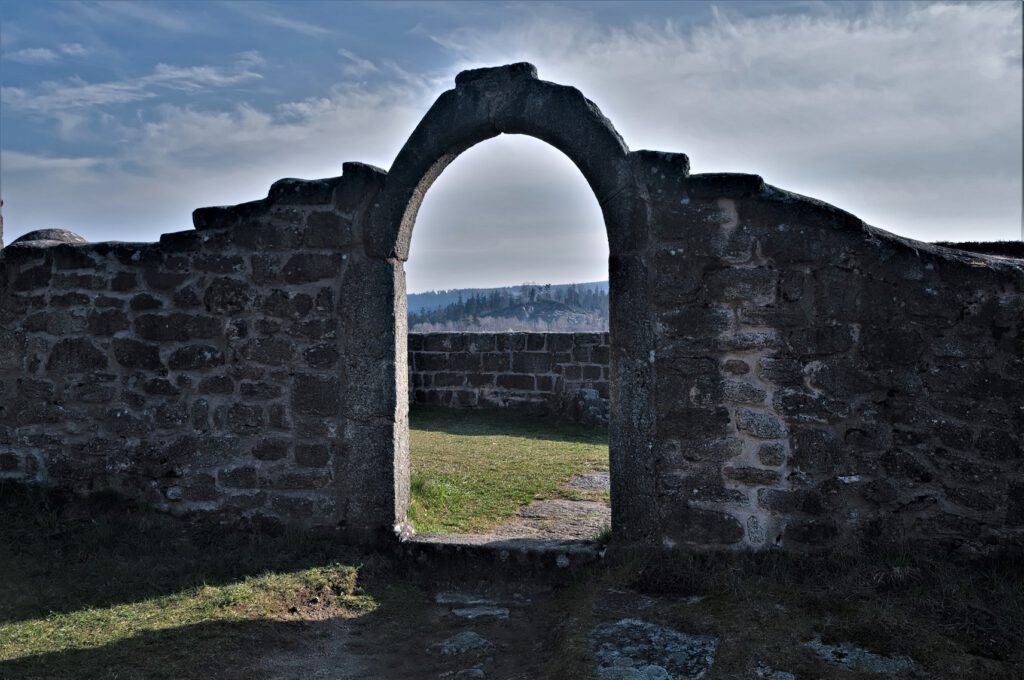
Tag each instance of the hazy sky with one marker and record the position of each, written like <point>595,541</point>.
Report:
<point>120,118</point>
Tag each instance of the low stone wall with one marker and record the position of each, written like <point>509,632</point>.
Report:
<point>200,374</point>
<point>561,373</point>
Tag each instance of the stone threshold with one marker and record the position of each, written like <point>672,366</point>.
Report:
<point>541,553</point>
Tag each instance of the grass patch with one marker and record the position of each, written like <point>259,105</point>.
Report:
<point>471,470</point>
<point>107,589</point>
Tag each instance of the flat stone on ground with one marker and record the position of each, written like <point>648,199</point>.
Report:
<point>632,649</point>
<point>464,642</point>
<point>859,659</point>
<point>481,611</point>
<point>591,481</point>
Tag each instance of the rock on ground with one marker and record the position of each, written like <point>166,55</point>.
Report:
<point>859,659</point>
<point>461,643</point>
<point>632,649</point>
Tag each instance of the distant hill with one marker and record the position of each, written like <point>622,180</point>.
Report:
<point>436,299</point>
<point>527,307</point>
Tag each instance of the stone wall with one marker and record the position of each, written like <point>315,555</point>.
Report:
<point>823,382</point>
<point>561,373</point>
<point>780,373</point>
<point>201,373</point>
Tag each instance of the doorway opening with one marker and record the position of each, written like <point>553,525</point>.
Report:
<point>509,351</point>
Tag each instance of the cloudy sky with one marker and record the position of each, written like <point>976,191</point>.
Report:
<point>119,118</point>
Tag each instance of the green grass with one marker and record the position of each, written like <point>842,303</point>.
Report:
<point>471,470</point>
<point>104,588</point>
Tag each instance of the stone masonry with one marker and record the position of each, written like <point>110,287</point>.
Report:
<point>565,374</point>
<point>779,373</point>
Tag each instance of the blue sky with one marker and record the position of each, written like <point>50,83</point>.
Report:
<point>119,118</point>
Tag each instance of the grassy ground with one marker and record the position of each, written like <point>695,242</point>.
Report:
<point>145,592</point>
<point>472,470</point>
<point>107,590</point>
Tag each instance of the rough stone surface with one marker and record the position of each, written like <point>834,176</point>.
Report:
<point>859,659</point>
<point>631,648</point>
<point>465,642</point>
<point>777,373</point>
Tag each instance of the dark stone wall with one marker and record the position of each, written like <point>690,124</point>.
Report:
<point>779,373</point>
<point>203,373</point>
<point>823,382</point>
<point>565,374</point>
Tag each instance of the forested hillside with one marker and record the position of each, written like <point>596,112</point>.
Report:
<point>564,307</point>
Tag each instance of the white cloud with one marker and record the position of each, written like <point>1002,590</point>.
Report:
<point>265,13</point>
<point>921,96</point>
<point>357,66</point>
<point>176,159</point>
<point>33,55</point>
<point>74,50</point>
<point>52,98</point>
<point>141,12</point>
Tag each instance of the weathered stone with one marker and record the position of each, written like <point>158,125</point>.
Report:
<point>771,454</point>
<point>134,354</point>
<point>751,476</point>
<point>163,280</point>
<point>312,455</point>
<point>228,296</point>
<point>244,477</point>
<point>160,387</point>
<point>316,395</point>
<point>177,326</point>
<point>259,390</point>
<point>742,392</point>
<point>75,355</point>
<point>321,356</point>
<point>702,527</point>
<point>195,357</point>
<point>649,651</point>
<point>217,384</point>
<point>760,425</point>
<point>124,282</point>
<point>186,298</point>
<point>327,229</point>
<point>310,267</point>
<point>271,449</point>
<point>269,351</point>
<point>145,302</point>
<point>239,418</point>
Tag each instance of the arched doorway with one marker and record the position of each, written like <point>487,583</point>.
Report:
<point>510,99</point>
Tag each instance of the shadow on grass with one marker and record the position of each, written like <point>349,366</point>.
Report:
<point>502,422</point>
<point>60,555</point>
<point>212,649</point>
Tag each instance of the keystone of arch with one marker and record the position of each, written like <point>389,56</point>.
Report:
<point>507,99</point>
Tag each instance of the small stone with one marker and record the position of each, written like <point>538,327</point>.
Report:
<point>480,612</point>
<point>760,425</point>
<point>461,643</point>
<point>859,659</point>
<point>591,481</point>
<point>462,598</point>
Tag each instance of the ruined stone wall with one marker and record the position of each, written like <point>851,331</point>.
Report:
<point>201,373</point>
<point>561,373</point>
<point>780,374</point>
<point>822,382</point>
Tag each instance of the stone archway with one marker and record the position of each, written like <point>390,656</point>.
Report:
<point>512,100</point>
